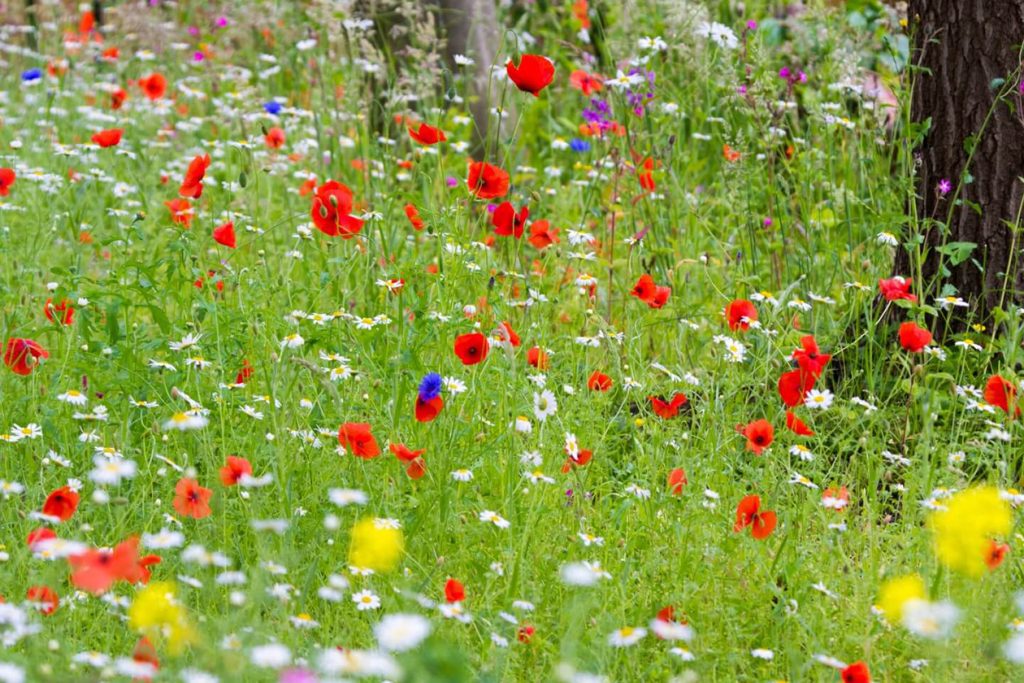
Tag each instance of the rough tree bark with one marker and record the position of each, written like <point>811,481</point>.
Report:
<point>965,47</point>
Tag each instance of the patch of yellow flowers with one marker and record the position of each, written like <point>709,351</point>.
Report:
<point>964,531</point>
<point>155,612</point>
<point>375,545</point>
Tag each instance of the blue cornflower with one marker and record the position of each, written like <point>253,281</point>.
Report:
<point>273,107</point>
<point>578,145</point>
<point>31,75</point>
<point>430,386</point>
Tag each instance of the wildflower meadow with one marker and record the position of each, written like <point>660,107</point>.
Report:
<point>613,347</point>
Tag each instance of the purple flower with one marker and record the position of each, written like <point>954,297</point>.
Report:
<point>751,25</point>
<point>767,221</point>
<point>945,186</point>
<point>430,386</point>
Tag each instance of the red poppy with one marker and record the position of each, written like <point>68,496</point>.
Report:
<point>586,83</point>
<point>471,348</point>
<point>809,358</point>
<point>7,178</point>
<point>61,503</point>
<point>739,314</point>
<point>506,332</point>
<point>794,385</point>
<point>21,355</point>
<point>856,673</point>
<point>62,313</point>
<point>796,425</point>
<point>181,212</point>
<point>96,570</point>
<point>599,381</point>
<point>358,440</point>
<point>404,453</point>
<point>45,598</point>
<point>332,206</point>
<point>274,138</point>
<point>486,181</point>
<point>677,480</point>
<point>542,236</point>
<point>581,459</point>
<point>225,234</point>
<point>730,154</point>
<point>533,74</point>
<point>507,222</point>
<point>996,554</point>
<point>454,591</point>
<point>761,522</point>
<point>413,214</point>
<point>914,338</point>
<point>670,409</point>
<point>538,358</point>
<point>191,499</point>
<point>154,86</point>
<point>759,434</point>
<point>896,288</point>
<point>416,469</point>
<point>525,633</point>
<point>108,138</point>
<point>245,373</point>
<point>1000,393</point>
<point>427,135</point>
<point>234,469</point>
<point>118,98</point>
<point>39,535</point>
<point>645,174</point>
<point>427,410</point>
<point>651,294</point>
<point>192,184</point>
<point>836,498</point>
<point>145,652</point>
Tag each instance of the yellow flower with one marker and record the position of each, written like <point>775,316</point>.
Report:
<point>375,546</point>
<point>895,593</point>
<point>964,530</point>
<point>156,613</point>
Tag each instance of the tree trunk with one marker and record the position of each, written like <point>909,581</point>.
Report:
<point>969,51</point>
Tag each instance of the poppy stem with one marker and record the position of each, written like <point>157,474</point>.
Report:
<point>778,554</point>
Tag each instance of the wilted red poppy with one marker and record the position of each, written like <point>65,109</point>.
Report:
<point>192,184</point>
<point>332,206</point>
<point>358,440</point>
<point>533,74</point>
<point>996,554</point>
<point>998,392</point>
<point>22,355</point>
<point>274,138</point>
<point>749,513</point>
<point>759,434</point>
<point>677,480</point>
<point>154,86</point>
<point>7,178</point>
<point>62,313</point>
<point>739,314</point>
<point>599,381</point>
<point>108,138</point>
<point>796,425</point>
<point>856,673</point>
<point>542,235</point>
<point>234,469</point>
<point>486,181</point>
<point>61,503</point>
<point>914,338</point>
<point>896,288</point>
<point>667,410</point>
<point>471,348</point>
<point>181,211</point>
<point>524,633</point>
<point>454,591</point>
<point>225,234</point>
<point>191,499</point>
<point>118,98</point>
<point>507,222</point>
<point>538,358</point>
<point>427,135</point>
<point>586,83</point>
<point>508,334</point>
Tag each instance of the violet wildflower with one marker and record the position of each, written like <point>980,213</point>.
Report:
<point>430,386</point>
<point>945,186</point>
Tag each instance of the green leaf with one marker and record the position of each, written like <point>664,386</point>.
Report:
<point>958,252</point>
<point>243,180</point>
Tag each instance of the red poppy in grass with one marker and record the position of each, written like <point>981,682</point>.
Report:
<point>509,335</point>
<point>794,385</point>
<point>809,357</point>
<point>835,498</point>
<point>582,458</point>
<point>245,373</point>
<point>108,138</point>
<point>599,381</point>
<point>62,313</point>
<point>154,86</point>
<point>896,288</point>
<point>651,294</point>
<point>181,212</point>
<point>7,178</point>
<point>96,570</point>
<point>118,98</point>
<point>855,673</point>
<point>145,653</point>
<point>22,355</point>
<point>677,480</point>
<point>358,440</point>
<point>427,135</point>
<point>61,503</point>
<point>645,174</point>
<point>542,235</point>
<point>416,469</point>
<point>914,338</point>
<point>332,206</point>
<point>234,469</point>
<point>525,633</point>
<point>404,453</point>
<point>225,234</point>
<point>413,214</point>
<point>45,598</point>
<point>533,73</point>
<point>454,591</point>
<point>136,569</point>
<point>192,183</point>
<point>428,409</point>
<point>486,181</point>
<point>796,425</point>
<point>1000,393</point>
<point>739,314</point>
<point>39,535</point>
<point>586,83</point>
<point>996,554</point>
<point>307,186</point>
<point>507,222</point>
<point>538,358</point>
<point>274,138</point>
<point>759,434</point>
<point>471,348</point>
<point>191,499</point>
<point>667,410</point>
<point>749,513</point>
